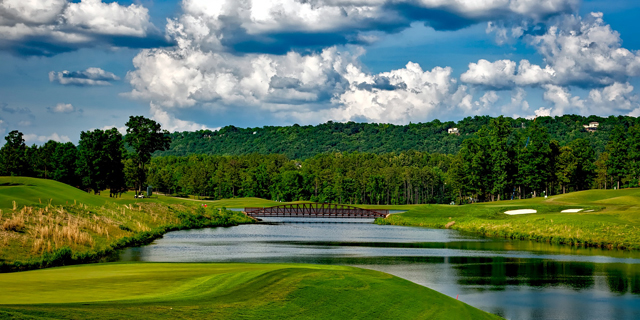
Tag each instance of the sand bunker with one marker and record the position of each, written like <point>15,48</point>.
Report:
<point>521,211</point>
<point>571,210</point>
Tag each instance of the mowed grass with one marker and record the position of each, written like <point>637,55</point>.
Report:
<point>221,291</point>
<point>612,219</point>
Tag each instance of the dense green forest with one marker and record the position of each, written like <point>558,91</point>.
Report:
<point>492,159</point>
<point>302,142</point>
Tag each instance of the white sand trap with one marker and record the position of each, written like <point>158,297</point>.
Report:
<point>521,211</point>
<point>571,210</point>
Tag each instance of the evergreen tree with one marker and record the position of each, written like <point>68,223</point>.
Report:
<point>617,150</point>
<point>500,131</point>
<point>534,159</point>
<point>14,155</point>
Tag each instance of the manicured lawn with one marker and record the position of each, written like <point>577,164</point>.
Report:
<point>221,291</point>
<point>614,220</point>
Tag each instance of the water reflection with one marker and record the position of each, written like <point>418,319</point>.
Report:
<point>514,279</point>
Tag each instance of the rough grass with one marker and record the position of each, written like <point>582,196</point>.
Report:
<point>614,220</point>
<point>222,291</point>
<point>39,217</point>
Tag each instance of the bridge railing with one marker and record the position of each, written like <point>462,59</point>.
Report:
<point>320,210</point>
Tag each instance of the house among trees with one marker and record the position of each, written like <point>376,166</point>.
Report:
<point>453,131</point>
<point>591,127</point>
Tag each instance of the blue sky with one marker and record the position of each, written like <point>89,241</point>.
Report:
<point>69,66</point>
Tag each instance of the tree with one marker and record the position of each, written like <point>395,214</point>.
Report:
<point>617,150</point>
<point>14,155</point>
<point>501,154</point>
<point>566,167</point>
<point>145,137</point>
<point>100,155</point>
<point>633,153</point>
<point>533,158</point>
<point>64,167</point>
<point>585,167</point>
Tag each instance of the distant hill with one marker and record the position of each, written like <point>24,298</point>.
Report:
<point>301,142</point>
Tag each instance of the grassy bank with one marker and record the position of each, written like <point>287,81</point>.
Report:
<point>221,291</point>
<point>44,223</point>
<point>610,219</point>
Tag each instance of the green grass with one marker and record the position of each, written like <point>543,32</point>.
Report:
<point>614,222</point>
<point>221,291</point>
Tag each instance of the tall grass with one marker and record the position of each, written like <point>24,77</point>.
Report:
<point>60,237</point>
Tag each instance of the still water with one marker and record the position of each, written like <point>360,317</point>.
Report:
<point>513,279</point>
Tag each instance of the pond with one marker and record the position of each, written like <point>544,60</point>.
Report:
<point>513,279</point>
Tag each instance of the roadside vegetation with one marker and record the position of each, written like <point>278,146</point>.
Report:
<point>44,223</point>
<point>609,219</point>
<point>222,291</point>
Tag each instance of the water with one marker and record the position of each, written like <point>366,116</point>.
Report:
<point>513,279</point>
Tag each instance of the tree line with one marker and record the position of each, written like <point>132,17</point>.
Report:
<point>303,142</point>
<point>501,160</point>
<point>100,161</point>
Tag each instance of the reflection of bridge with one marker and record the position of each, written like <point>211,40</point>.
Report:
<point>315,210</point>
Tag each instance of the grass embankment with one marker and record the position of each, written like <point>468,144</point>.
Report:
<point>46,223</point>
<point>614,220</point>
<point>222,291</point>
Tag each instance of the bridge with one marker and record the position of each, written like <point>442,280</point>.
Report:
<point>315,210</point>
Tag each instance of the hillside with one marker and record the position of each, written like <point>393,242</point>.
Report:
<point>40,219</point>
<point>301,142</point>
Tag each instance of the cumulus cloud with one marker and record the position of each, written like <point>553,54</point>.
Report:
<point>329,85</point>
<point>33,138</point>
<point>48,27</point>
<point>279,25</point>
<point>502,74</point>
<point>583,52</point>
<point>173,124</point>
<point>62,108</point>
<point>617,98</point>
<point>89,77</point>
<point>412,94</point>
<point>184,78</point>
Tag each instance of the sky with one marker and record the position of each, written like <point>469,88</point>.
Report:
<point>71,66</point>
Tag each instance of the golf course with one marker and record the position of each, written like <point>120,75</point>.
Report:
<point>57,229</point>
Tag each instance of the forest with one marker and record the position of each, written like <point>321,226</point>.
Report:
<point>499,158</point>
<point>302,142</point>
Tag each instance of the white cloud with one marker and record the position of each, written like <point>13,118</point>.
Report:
<point>33,138</point>
<point>185,78</point>
<point>583,52</point>
<point>214,25</point>
<point>122,129</point>
<point>98,17</point>
<point>412,95</point>
<point>62,108</point>
<point>88,77</point>
<point>24,123</point>
<point>48,27</point>
<point>617,98</point>
<point>586,51</point>
<point>173,124</point>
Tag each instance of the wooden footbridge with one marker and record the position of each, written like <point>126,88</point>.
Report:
<point>315,210</point>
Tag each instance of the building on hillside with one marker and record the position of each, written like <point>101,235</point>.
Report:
<point>453,131</point>
<point>591,127</point>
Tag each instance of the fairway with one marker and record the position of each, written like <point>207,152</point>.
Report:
<point>609,218</point>
<point>223,291</point>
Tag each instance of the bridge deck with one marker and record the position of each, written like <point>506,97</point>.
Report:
<point>315,210</point>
